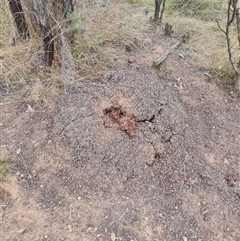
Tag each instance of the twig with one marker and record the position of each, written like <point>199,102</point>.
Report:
<point>220,27</point>
<point>165,54</point>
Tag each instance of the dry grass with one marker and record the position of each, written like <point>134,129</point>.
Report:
<point>206,47</point>
<point>21,61</point>
<point>104,31</point>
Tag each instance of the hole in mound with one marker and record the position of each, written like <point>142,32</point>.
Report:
<point>127,122</point>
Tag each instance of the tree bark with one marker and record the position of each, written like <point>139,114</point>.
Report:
<point>67,7</point>
<point>48,42</point>
<point>238,24</point>
<point>162,11</point>
<point>18,15</point>
<point>157,9</point>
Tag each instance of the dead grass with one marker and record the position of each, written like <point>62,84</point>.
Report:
<point>105,30</point>
<point>206,47</point>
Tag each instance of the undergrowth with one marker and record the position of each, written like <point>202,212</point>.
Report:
<point>104,31</point>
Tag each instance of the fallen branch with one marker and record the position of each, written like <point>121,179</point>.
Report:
<point>165,54</point>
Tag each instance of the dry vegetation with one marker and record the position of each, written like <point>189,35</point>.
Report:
<point>4,168</point>
<point>104,29</point>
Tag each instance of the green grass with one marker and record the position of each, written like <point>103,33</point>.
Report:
<point>62,195</point>
<point>4,168</point>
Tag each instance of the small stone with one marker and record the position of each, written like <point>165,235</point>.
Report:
<point>21,231</point>
<point>79,198</point>
<point>69,227</point>
<point>204,212</point>
<point>22,175</point>
<point>69,230</point>
<point>41,186</point>
<point>185,238</point>
<point>113,236</point>
<point>226,162</point>
<point>131,60</point>
<point>150,162</point>
<point>45,236</point>
<point>18,173</point>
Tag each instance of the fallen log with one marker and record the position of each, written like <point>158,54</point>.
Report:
<point>165,54</point>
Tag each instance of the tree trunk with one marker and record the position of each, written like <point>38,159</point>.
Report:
<point>157,9</point>
<point>162,11</point>
<point>238,24</point>
<point>18,15</point>
<point>48,43</point>
<point>67,7</point>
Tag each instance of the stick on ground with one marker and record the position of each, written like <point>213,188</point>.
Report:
<point>159,60</point>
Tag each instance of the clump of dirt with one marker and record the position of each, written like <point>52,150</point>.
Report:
<point>127,122</point>
<point>231,179</point>
<point>4,195</point>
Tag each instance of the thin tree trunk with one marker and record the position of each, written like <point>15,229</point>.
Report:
<point>67,7</point>
<point>18,15</point>
<point>48,43</point>
<point>157,9</point>
<point>238,24</point>
<point>162,11</point>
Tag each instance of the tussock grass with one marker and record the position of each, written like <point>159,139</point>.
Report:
<point>18,58</point>
<point>206,47</point>
<point>105,29</point>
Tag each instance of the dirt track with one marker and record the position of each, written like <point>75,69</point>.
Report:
<point>78,176</point>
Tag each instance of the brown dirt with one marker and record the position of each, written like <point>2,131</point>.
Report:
<point>74,178</point>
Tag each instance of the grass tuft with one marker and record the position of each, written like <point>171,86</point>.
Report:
<point>4,168</point>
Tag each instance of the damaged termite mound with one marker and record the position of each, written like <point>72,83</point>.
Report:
<point>126,121</point>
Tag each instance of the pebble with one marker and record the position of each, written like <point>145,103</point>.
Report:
<point>22,175</point>
<point>113,236</point>
<point>185,238</point>
<point>18,173</point>
<point>131,60</point>
<point>45,236</point>
<point>150,162</point>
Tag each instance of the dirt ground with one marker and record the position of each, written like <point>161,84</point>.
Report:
<point>164,166</point>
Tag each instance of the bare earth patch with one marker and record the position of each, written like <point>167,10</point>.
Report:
<point>164,167</point>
